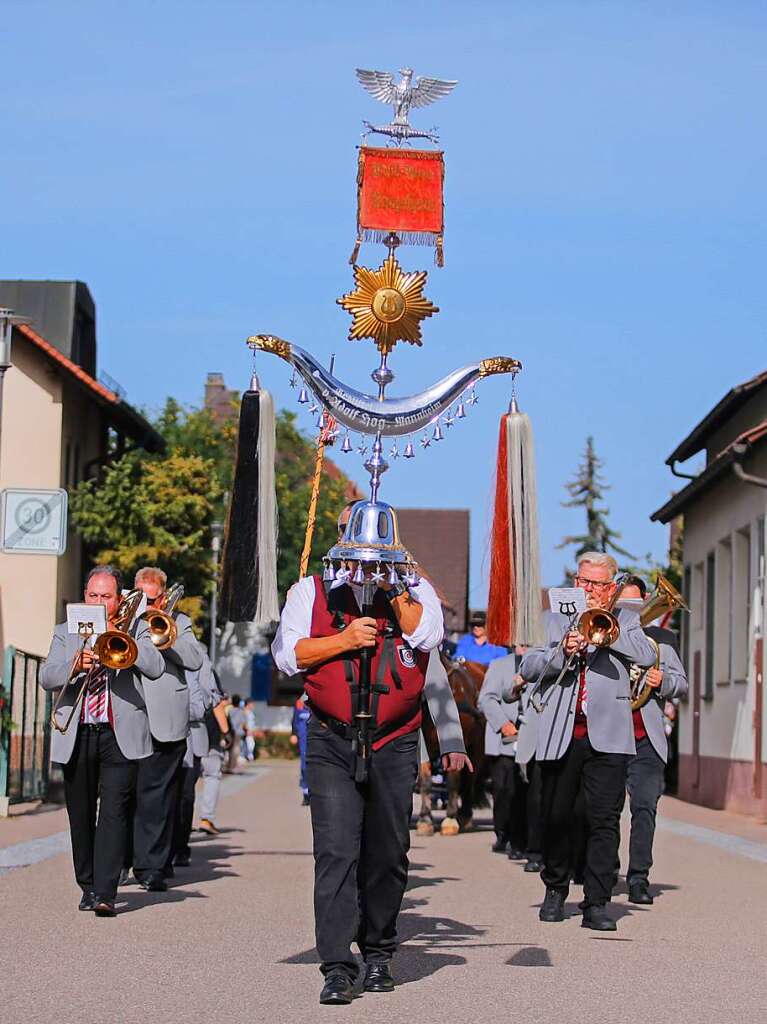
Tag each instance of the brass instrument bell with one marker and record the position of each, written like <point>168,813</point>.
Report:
<point>163,630</point>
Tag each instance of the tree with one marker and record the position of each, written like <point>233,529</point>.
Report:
<point>158,509</point>
<point>587,491</point>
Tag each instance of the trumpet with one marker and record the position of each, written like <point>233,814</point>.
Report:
<point>163,630</point>
<point>115,649</point>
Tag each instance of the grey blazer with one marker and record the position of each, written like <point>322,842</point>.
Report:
<point>611,728</point>
<point>442,708</point>
<point>131,724</point>
<point>499,676</point>
<point>167,698</point>
<point>527,737</point>
<point>674,684</point>
<point>201,687</point>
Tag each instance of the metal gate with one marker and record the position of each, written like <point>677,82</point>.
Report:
<point>25,742</point>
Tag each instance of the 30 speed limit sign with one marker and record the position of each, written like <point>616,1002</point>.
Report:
<point>34,522</point>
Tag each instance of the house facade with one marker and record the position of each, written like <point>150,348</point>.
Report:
<point>722,745</point>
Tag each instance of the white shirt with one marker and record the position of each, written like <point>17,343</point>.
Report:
<point>296,620</point>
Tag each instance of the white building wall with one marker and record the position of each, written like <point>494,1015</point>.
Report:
<point>725,520</point>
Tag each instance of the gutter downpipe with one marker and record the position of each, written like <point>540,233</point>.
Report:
<point>739,452</point>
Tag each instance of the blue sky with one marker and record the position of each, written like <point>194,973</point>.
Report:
<point>194,163</point>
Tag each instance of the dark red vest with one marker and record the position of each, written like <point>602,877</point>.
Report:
<point>394,665</point>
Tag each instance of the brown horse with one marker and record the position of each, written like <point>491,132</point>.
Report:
<point>464,789</point>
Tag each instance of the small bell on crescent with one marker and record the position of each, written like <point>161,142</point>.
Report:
<point>303,396</point>
<point>329,572</point>
<point>437,435</point>
<point>460,412</point>
<point>359,575</point>
<point>347,444</point>
<point>393,579</point>
<point>409,452</point>
<point>321,421</point>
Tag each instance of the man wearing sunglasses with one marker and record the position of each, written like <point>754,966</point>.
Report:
<point>585,739</point>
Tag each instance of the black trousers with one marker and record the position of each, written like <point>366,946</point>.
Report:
<point>603,780</point>
<point>534,843</point>
<point>645,782</point>
<point>361,841</point>
<point>185,810</point>
<point>503,778</point>
<point>98,784</point>
<point>158,790</point>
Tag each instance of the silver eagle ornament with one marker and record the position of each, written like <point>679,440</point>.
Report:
<point>402,96</point>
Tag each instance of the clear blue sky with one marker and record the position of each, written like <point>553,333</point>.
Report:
<point>194,163</point>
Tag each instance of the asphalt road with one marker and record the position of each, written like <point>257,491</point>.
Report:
<point>232,941</point>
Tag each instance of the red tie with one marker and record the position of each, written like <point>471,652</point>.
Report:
<point>97,694</point>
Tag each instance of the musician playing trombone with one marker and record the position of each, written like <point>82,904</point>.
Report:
<point>108,734</point>
<point>585,736</point>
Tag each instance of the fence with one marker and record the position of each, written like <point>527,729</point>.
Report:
<point>24,730</point>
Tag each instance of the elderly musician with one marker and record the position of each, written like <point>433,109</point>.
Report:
<point>361,828</point>
<point>160,775</point>
<point>101,749</point>
<point>646,770</point>
<point>585,738</point>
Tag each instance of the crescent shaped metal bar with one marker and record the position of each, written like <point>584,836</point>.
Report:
<point>367,414</point>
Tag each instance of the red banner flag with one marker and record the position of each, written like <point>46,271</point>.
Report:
<point>400,191</point>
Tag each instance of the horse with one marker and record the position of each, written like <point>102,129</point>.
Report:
<point>465,790</point>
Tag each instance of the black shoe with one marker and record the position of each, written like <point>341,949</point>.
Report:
<point>182,860</point>
<point>153,883</point>
<point>337,989</point>
<point>88,901</point>
<point>640,893</point>
<point>305,800</point>
<point>533,865</point>
<point>499,846</point>
<point>596,917</point>
<point>553,907</point>
<point>104,908</point>
<point>515,854</point>
<point>378,978</point>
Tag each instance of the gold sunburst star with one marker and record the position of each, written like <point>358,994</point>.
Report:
<point>387,305</point>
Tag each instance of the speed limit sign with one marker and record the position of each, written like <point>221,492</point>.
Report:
<point>34,522</point>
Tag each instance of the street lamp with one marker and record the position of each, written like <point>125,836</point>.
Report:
<point>7,319</point>
<point>216,530</point>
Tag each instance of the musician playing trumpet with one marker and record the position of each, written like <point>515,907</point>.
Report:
<point>100,749</point>
<point>585,737</point>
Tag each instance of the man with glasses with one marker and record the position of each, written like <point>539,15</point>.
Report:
<point>585,739</point>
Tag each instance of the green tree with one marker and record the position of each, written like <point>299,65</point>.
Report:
<point>587,491</point>
<point>158,509</point>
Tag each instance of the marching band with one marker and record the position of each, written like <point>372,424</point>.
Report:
<point>572,726</point>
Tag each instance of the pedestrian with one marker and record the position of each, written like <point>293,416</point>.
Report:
<point>299,727</point>
<point>251,731</point>
<point>474,645</point>
<point>212,764</point>
<point>237,720</point>
<point>108,737</point>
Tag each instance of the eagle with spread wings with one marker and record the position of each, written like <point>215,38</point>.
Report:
<point>404,94</point>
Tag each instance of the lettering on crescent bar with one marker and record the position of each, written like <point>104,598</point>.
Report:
<point>340,402</point>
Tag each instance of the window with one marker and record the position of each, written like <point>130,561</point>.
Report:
<point>723,613</point>
<point>708,683</point>
<point>684,631</point>
<point>741,603</point>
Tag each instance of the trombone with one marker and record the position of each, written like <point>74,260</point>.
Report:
<point>115,649</point>
<point>598,626</point>
<point>163,630</point>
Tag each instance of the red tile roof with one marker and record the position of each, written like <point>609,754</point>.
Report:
<point>67,364</point>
